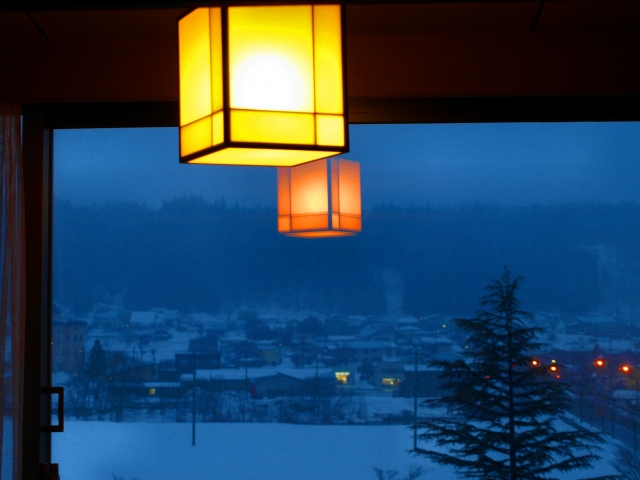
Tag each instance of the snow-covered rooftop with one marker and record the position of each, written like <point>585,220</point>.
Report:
<point>254,373</point>
<point>146,319</point>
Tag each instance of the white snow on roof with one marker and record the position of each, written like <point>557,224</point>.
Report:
<point>421,368</point>
<point>408,329</point>
<point>233,336</point>
<point>207,318</point>
<point>254,373</point>
<point>407,320</point>
<point>367,345</point>
<point>161,384</point>
<point>596,318</point>
<point>625,395</point>
<point>340,338</point>
<point>145,319</point>
<point>582,343</point>
<point>164,314</point>
<point>432,340</point>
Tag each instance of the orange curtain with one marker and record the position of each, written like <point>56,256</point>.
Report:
<point>12,302</point>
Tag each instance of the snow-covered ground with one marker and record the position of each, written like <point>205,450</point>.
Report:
<point>249,451</point>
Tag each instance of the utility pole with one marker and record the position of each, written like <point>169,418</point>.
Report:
<point>317,390</point>
<point>246,386</point>
<point>415,402</point>
<point>193,429</point>
<point>637,405</point>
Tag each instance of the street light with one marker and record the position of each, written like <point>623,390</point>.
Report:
<point>626,368</point>
<point>555,370</point>
<point>600,363</point>
<point>415,401</point>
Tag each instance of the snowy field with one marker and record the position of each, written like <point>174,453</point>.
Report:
<point>251,451</point>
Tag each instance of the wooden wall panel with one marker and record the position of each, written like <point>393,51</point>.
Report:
<point>402,60</point>
<point>379,66</point>
<point>492,65</point>
<point>98,71</point>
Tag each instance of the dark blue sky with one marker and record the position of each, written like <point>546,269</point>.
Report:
<point>506,164</point>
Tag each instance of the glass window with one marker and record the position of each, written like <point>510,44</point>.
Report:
<point>297,357</point>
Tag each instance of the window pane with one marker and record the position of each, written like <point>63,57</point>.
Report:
<point>304,355</point>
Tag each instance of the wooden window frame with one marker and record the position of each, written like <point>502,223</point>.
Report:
<point>40,121</point>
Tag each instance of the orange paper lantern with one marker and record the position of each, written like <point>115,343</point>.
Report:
<point>320,199</point>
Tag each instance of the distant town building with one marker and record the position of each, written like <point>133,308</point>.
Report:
<point>429,383</point>
<point>270,351</point>
<point>107,316</point>
<point>144,319</point>
<point>388,375</point>
<point>365,351</point>
<point>68,346</point>
<point>203,360</point>
<point>208,321</point>
<point>165,317</point>
<point>208,343</point>
<point>278,385</point>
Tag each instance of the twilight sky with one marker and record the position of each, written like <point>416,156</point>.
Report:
<point>506,164</point>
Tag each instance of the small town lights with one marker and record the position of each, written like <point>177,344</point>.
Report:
<point>553,368</point>
<point>599,363</point>
<point>262,85</point>
<point>320,199</point>
<point>535,363</point>
<point>625,368</point>
<point>391,382</point>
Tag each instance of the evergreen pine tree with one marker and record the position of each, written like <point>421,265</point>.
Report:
<point>97,364</point>
<point>503,410</point>
<point>96,372</point>
<point>627,462</point>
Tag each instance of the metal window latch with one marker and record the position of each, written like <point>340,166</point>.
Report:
<point>60,427</point>
<point>49,471</point>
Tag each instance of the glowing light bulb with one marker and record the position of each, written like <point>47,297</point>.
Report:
<point>269,82</point>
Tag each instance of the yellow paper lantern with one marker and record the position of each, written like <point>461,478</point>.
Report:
<point>262,85</point>
<point>320,199</point>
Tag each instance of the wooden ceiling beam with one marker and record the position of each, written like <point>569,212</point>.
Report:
<point>575,108</point>
<point>68,5</point>
<point>378,66</point>
<point>404,62</point>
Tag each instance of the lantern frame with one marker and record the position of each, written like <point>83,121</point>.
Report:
<point>280,154</point>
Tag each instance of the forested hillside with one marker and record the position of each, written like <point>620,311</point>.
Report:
<point>195,255</point>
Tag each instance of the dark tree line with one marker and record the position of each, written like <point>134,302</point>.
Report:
<point>192,255</point>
